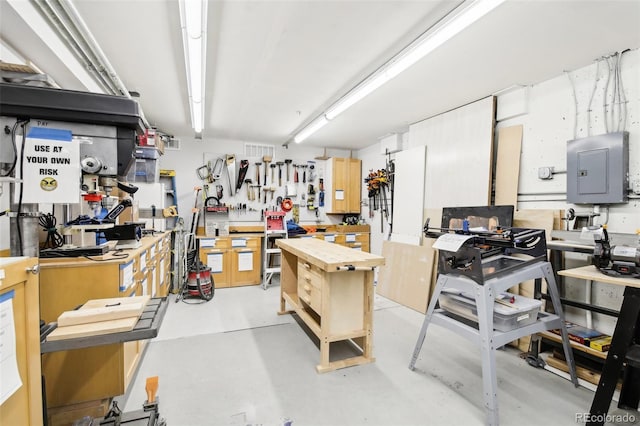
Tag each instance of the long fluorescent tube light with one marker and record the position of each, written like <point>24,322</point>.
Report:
<point>356,94</point>
<point>193,19</point>
<point>433,38</point>
<point>313,127</point>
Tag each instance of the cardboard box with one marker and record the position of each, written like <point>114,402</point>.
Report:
<point>151,138</point>
<point>602,344</point>
<point>131,214</point>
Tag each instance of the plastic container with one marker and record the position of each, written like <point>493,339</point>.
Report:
<point>520,312</point>
<point>148,152</point>
<point>144,170</point>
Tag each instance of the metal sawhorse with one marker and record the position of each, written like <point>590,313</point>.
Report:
<point>484,335</point>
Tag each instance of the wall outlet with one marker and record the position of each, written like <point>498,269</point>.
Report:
<point>545,173</point>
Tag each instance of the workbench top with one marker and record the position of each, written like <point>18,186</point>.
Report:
<point>120,256</point>
<point>590,272</point>
<point>328,256</point>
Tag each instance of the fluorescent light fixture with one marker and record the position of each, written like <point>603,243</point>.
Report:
<point>439,35</point>
<point>356,94</point>
<point>313,127</point>
<point>193,19</point>
<point>434,37</point>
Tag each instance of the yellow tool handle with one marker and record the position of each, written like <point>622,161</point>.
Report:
<point>151,388</point>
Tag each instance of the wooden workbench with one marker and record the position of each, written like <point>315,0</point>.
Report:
<point>336,304</point>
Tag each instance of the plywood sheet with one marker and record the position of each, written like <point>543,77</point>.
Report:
<point>536,219</point>
<point>508,165</point>
<point>459,155</point>
<point>407,274</point>
<point>408,195</point>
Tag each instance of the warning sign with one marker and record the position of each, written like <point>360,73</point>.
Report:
<point>51,162</point>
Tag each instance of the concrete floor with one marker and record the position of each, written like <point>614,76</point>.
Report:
<point>234,361</point>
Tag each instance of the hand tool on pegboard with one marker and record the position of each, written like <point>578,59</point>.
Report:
<point>280,164</point>
<point>377,181</point>
<point>266,159</point>
<point>231,172</point>
<point>242,173</point>
<point>258,164</point>
<point>288,163</point>
<point>249,190</point>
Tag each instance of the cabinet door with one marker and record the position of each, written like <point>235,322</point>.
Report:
<point>19,297</point>
<point>340,189</point>
<point>344,184</point>
<point>245,261</point>
<point>353,194</point>
<point>219,262</point>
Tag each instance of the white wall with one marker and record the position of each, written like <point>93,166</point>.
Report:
<point>191,156</point>
<point>548,125</point>
<point>547,111</point>
<point>548,114</point>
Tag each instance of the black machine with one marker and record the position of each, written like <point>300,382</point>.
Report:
<point>485,255</point>
<point>616,261</point>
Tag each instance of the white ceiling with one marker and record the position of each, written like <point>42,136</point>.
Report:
<point>273,66</point>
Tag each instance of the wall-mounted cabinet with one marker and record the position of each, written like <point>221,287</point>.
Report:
<point>343,185</point>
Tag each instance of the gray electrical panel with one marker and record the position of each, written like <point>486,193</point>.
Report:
<point>598,169</point>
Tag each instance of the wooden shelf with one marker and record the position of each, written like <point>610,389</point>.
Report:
<point>575,345</point>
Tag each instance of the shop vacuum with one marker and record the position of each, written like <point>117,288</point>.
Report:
<point>200,284</point>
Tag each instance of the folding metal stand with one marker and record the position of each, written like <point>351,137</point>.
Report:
<point>484,335</point>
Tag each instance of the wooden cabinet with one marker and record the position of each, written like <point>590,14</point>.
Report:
<point>330,287</point>
<point>343,185</point>
<point>354,240</point>
<point>234,260</point>
<point>19,296</point>
<point>99,372</point>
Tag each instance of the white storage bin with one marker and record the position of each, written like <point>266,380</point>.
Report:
<point>506,317</point>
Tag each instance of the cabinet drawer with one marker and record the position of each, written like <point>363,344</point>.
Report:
<point>310,294</point>
<point>244,242</point>
<point>310,274</point>
<point>355,240</point>
<point>217,242</point>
